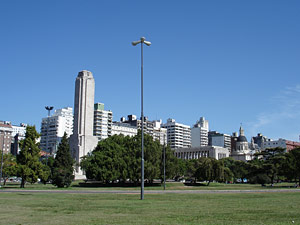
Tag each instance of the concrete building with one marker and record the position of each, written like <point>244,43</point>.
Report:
<point>217,139</point>
<point>199,133</point>
<point>153,128</point>
<point>102,122</point>
<point>18,134</point>
<point>159,133</point>
<point>82,140</point>
<point>54,127</point>
<point>178,135</point>
<point>5,136</point>
<point>259,139</point>
<point>124,129</point>
<point>281,143</point>
<point>200,152</point>
<point>133,121</point>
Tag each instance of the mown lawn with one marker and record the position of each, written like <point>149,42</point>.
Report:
<point>58,208</point>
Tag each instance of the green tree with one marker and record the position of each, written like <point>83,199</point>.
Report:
<point>292,165</point>
<point>172,164</point>
<point>238,168</point>
<point>63,165</point>
<point>9,168</point>
<point>273,159</point>
<point>29,166</point>
<point>119,158</point>
<point>209,170</point>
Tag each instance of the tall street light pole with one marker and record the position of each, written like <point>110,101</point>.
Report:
<point>148,43</point>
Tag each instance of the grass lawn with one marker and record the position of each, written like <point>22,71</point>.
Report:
<point>62,208</point>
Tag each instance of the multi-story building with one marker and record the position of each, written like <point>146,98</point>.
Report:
<point>217,139</point>
<point>199,133</point>
<point>259,139</point>
<point>18,134</point>
<point>124,129</point>
<point>178,135</point>
<point>152,128</point>
<point>281,143</point>
<point>5,136</point>
<point>159,133</point>
<point>54,127</point>
<point>133,121</point>
<point>102,122</point>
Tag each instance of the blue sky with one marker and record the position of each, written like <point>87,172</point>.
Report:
<point>230,61</point>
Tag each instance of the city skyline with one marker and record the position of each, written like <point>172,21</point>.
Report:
<point>230,62</point>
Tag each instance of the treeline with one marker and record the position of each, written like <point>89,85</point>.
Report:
<point>118,159</point>
<point>30,168</point>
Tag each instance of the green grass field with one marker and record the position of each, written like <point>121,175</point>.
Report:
<point>57,208</point>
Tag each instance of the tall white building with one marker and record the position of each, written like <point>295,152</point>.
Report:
<point>102,122</point>
<point>178,135</point>
<point>54,127</point>
<point>200,133</point>
<point>159,133</point>
<point>82,140</point>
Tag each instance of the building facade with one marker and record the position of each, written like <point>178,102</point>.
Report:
<point>200,152</point>
<point>178,135</point>
<point>18,134</point>
<point>199,133</point>
<point>124,129</point>
<point>280,143</point>
<point>102,122</point>
<point>217,139</point>
<point>54,127</point>
<point>6,131</point>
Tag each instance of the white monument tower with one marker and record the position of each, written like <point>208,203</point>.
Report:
<point>82,141</point>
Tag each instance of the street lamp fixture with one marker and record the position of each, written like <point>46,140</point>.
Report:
<point>148,43</point>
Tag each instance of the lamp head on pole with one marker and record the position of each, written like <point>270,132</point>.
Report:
<point>142,40</point>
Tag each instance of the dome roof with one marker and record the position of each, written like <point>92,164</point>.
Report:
<point>242,139</point>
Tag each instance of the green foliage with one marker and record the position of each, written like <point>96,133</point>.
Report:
<point>119,158</point>
<point>29,166</point>
<point>63,165</point>
<point>238,169</point>
<point>9,168</point>
<point>292,166</point>
<point>209,169</point>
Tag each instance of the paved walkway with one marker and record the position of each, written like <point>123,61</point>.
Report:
<point>149,191</point>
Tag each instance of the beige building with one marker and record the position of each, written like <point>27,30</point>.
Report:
<point>200,152</point>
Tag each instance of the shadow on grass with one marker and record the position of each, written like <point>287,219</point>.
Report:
<point>125,185</point>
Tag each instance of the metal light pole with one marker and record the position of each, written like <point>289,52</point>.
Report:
<point>148,43</point>
<point>164,165</point>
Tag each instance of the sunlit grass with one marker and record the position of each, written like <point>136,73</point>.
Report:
<point>57,208</point>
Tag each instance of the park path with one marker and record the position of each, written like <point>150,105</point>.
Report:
<point>149,191</point>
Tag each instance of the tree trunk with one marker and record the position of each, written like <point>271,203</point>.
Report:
<point>22,183</point>
<point>208,183</point>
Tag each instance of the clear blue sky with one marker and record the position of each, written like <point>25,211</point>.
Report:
<point>229,61</point>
